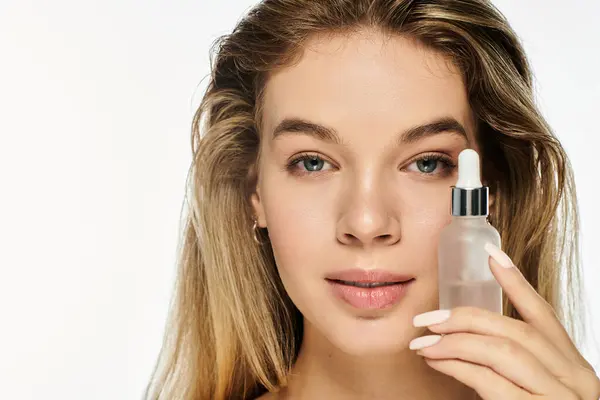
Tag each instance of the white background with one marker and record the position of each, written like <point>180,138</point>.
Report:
<point>96,100</point>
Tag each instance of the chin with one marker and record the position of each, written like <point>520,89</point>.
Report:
<point>369,336</point>
<point>378,342</point>
<point>361,331</point>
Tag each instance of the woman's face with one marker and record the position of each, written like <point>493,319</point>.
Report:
<point>380,122</point>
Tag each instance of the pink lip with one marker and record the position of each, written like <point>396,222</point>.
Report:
<point>361,275</point>
<point>369,298</point>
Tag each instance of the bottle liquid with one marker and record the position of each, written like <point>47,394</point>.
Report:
<point>464,275</point>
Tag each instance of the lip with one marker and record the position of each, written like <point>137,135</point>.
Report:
<point>368,276</point>
<point>380,297</point>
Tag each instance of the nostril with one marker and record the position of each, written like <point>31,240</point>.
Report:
<point>387,238</point>
<point>350,237</point>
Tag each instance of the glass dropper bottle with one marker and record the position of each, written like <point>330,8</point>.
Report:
<point>464,275</point>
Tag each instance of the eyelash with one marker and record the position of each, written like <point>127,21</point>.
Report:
<point>448,164</point>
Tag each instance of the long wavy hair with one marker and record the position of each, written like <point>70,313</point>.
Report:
<point>232,330</point>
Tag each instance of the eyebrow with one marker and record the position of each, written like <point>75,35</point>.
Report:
<point>327,134</point>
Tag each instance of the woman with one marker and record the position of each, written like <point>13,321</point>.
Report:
<point>327,141</point>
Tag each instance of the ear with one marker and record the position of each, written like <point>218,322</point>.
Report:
<point>258,208</point>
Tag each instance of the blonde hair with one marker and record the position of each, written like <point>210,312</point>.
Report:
<point>233,332</point>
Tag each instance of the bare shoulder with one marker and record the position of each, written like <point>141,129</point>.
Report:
<point>268,396</point>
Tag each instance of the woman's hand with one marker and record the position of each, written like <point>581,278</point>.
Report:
<point>504,358</point>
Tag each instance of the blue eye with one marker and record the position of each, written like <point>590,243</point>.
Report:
<point>310,162</point>
<point>430,163</point>
<point>313,163</point>
<point>427,166</point>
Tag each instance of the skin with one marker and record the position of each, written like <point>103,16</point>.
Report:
<point>369,203</point>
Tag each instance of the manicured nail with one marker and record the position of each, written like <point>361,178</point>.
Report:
<point>431,317</point>
<point>424,341</point>
<point>498,255</point>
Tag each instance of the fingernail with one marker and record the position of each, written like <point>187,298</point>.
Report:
<point>498,255</point>
<point>431,317</point>
<point>423,341</point>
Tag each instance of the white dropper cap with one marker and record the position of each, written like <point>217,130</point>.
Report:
<point>468,170</point>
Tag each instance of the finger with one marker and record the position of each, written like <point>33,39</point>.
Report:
<point>530,305</point>
<point>579,378</point>
<point>488,384</point>
<point>504,356</point>
<point>588,383</point>
<point>485,322</point>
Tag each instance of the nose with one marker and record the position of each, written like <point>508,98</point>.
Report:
<point>367,221</point>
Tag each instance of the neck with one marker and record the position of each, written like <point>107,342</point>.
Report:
<point>323,371</point>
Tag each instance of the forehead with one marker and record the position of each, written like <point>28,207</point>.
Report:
<point>366,80</point>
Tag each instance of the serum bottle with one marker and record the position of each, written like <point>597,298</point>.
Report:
<point>464,275</point>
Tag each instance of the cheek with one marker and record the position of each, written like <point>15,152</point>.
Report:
<point>299,224</point>
<point>431,216</point>
<point>426,211</point>
<point>300,232</point>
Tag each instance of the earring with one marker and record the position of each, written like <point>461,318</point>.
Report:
<point>255,228</point>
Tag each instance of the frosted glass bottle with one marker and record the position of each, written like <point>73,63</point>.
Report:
<point>464,275</point>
